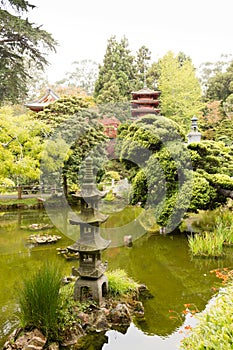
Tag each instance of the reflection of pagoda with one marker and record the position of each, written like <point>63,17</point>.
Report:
<point>91,282</point>
<point>145,101</point>
<point>44,101</point>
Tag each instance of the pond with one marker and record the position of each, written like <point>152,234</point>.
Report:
<point>163,263</point>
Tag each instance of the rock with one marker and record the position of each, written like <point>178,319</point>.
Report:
<point>138,309</point>
<point>128,241</point>
<point>53,346</point>
<point>71,339</point>
<point>120,315</point>
<point>11,339</point>
<point>36,340</point>
<point>84,318</point>
<point>101,322</point>
<point>144,292</point>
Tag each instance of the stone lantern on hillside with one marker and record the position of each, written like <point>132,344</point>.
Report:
<point>194,135</point>
<point>92,281</point>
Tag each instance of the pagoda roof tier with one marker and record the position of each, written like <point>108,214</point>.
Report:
<point>88,244</point>
<point>89,191</point>
<point>146,91</point>
<point>145,110</point>
<point>49,97</point>
<point>146,100</point>
<point>88,216</point>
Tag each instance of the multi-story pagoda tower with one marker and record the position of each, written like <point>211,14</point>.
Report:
<point>145,101</point>
<point>91,281</point>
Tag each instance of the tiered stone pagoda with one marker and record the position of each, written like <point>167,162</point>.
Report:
<point>145,101</point>
<point>92,282</point>
<point>38,106</point>
<point>194,135</point>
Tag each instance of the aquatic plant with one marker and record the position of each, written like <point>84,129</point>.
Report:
<point>39,300</point>
<point>214,329</point>
<point>224,227</point>
<point>206,244</point>
<point>119,283</point>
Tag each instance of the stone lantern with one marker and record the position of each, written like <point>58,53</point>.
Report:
<point>194,135</point>
<point>91,282</point>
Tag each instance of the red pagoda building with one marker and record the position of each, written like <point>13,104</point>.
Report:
<point>145,101</point>
<point>44,101</point>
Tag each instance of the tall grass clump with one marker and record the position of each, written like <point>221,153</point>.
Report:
<point>214,330</point>
<point>224,227</point>
<point>120,284</point>
<point>39,300</point>
<point>206,244</point>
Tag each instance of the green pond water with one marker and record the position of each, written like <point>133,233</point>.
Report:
<point>163,263</point>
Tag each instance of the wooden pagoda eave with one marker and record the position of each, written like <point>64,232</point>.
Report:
<point>146,101</point>
<point>138,111</point>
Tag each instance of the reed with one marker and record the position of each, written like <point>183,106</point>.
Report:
<point>206,244</point>
<point>39,300</point>
<point>224,227</point>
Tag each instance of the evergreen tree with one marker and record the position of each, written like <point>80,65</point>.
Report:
<point>220,86</point>
<point>142,64</point>
<point>118,68</point>
<point>19,40</point>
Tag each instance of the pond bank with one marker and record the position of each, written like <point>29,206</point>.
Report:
<point>89,320</point>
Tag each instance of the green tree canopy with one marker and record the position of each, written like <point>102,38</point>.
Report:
<point>75,126</point>
<point>181,96</point>
<point>119,69</point>
<point>20,147</point>
<point>170,176</point>
<point>20,40</point>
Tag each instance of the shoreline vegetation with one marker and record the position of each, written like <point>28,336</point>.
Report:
<point>214,327</point>
<point>49,316</point>
<point>210,243</point>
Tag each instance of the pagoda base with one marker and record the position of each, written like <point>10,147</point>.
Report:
<point>86,289</point>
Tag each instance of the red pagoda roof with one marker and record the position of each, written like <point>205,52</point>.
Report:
<point>49,97</point>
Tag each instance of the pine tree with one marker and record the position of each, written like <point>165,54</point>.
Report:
<point>20,40</point>
<point>118,67</point>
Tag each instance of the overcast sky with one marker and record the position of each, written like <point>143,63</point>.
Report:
<point>202,29</point>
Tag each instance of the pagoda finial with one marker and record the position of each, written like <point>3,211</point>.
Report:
<point>88,177</point>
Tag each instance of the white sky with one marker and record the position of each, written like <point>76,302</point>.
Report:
<point>202,29</point>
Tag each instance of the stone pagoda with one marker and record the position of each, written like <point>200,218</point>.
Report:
<point>194,135</point>
<point>91,282</point>
<point>145,101</point>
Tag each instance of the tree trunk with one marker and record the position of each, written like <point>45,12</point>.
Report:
<point>19,189</point>
<point>65,186</point>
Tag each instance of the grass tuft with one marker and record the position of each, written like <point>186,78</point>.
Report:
<point>120,284</point>
<point>206,244</point>
<point>39,300</point>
